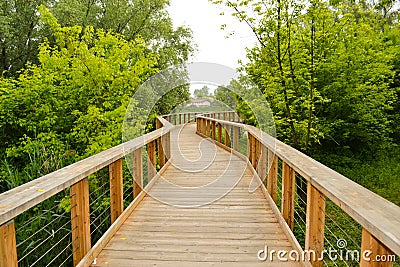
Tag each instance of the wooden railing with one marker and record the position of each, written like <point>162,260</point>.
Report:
<point>379,218</point>
<point>187,117</point>
<point>74,177</point>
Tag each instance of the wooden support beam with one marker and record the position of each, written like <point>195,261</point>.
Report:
<point>315,223</point>
<point>137,170</point>
<point>167,146</point>
<point>227,137</point>
<point>262,163</point>
<point>374,253</point>
<point>213,130</point>
<point>158,124</point>
<point>80,219</point>
<point>272,183</point>
<point>116,189</point>
<point>8,245</point>
<point>220,129</point>
<point>161,153</point>
<point>208,124</point>
<point>152,160</point>
<point>288,194</point>
<point>236,138</point>
<point>257,148</point>
<point>249,144</point>
<point>180,118</point>
<point>252,150</point>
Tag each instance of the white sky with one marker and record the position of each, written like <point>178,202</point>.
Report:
<point>204,20</point>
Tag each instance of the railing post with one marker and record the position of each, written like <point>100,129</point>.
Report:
<point>152,160</point>
<point>236,138</point>
<point>116,190</point>
<point>137,171</point>
<point>160,147</point>
<point>257,148</point>
<point>213,130</point>
<point>370,249</point>
<point>288,194</point>
<point>227,137</point>
<point>252,150</point>
<point>208,124</point>
<point>200,125</point>
<point>315,223</point>
<point>219,132</point>
<point>272,183</point>
<point>8,245</point>
<point>161,152</point>
<point>80,219</point>
<point>262,163</point>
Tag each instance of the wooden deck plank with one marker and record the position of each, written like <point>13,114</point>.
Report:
<point>227,231</point>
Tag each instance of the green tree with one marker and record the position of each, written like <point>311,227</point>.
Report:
<point>202,92</point>
<point>226,96</point>
<point>76,97</point>
<point>21,32</point>
<point>326,71</point>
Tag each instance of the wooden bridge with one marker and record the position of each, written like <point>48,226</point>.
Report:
<point>205,202</point>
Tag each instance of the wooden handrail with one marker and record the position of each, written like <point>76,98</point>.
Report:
<point>74,176</point>
<point>379,217</point>
<point>22,198</point>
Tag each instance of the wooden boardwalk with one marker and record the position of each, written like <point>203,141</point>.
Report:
<point>196,216</point>
<point>205,207</point>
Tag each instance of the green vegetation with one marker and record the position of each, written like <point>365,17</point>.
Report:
<point>330,71</point>
<point>69,69</point>
<point>71,104</point>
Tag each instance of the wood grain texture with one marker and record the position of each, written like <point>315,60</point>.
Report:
<point>80,219</point>
<point>377,252</point>
<point>137,172</point>
<point>152,159</point>
<point>288,194</point>
<point>272,183</point>
<point>8,245</point>
<point>228,226</point>
<point>24,197</point>
<point>116,189</point>
<point>376,214</point>
<point>315,222</point>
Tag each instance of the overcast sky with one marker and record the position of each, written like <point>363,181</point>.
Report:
<point>204,20</point>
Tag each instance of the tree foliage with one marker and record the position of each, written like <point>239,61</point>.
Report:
<point>328,70</point>
<point>72,103</point>
<point>21,31</point>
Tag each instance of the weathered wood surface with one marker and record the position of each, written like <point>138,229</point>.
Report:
<point>377,215</point>
<point>8,245</point>
<point>80,219</point>
<point>226,225</point>
<point>20,199</point>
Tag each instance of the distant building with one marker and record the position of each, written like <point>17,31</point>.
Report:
<point>200,102</point>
